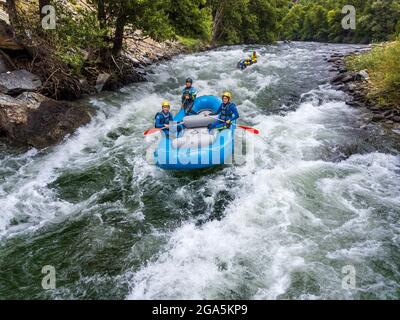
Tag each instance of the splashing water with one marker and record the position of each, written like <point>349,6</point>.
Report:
<point>323,193</point>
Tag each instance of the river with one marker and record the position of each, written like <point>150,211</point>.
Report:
<point>322,196</point>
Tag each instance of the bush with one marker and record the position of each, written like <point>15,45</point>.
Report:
<point>76,35</point>
<point>383,65</point>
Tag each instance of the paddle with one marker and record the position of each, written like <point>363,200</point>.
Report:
<point>154,130</point>
<point>249,129</point>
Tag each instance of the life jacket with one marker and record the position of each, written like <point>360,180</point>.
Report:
<point>165,117</point>
<point>225,112</point>
<point>188,92</point>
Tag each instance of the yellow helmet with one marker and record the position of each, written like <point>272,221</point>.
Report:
<point>166,104</point>
<point>227,94</point>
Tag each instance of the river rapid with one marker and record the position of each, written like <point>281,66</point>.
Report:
<point>322,196</point>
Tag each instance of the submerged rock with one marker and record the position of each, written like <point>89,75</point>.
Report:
<point>37,121</point>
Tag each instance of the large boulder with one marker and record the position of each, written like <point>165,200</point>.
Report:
<point>34,120</point>
<point>16,82</point>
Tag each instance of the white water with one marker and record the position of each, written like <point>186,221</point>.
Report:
<point>308,206</point>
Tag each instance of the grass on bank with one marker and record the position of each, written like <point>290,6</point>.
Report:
<point>383,65</point>
<point>191,43</point>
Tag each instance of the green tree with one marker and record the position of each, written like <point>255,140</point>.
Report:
<point>191,18</point>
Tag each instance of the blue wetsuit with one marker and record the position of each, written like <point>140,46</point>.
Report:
<point>225,112</point>
<point>188,103</point>
<point>162,119</point>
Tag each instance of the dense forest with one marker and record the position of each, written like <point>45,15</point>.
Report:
<point>104,23</point>
<point>256,21</point>
<point>320,20</point>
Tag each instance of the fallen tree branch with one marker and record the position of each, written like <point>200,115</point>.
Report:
<point>47,80</point>
<point>120,71</point>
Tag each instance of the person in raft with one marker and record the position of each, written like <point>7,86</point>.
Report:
<point>254,57</point>
<point>227,113</point>
<point>163,118</point>
<point>189,95</point>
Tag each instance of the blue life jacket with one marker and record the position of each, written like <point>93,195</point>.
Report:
<point>162,119</point>
<point>228,112</point>
<point>191,92</point>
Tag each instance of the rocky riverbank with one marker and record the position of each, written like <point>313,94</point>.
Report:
<point>357,86</point>
<point>34,91</point>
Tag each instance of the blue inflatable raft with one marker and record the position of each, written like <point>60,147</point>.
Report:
<point>196,147</point>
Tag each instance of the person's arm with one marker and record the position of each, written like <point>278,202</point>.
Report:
<point>158,123</point>
<point>235,112</point>
<point>183,97</point>
<point>194,94</point>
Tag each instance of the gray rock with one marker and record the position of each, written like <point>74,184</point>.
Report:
<point>388,113</point>
<point>377,117</point>
<point>147,61</point>
<point>16,82</point>
<point>141,71</point>
<point>357,104</point>
<point>362,75</point>
<point>32,99</point>
<point>135,61</point>
<point>343,78</point>
<point>34,120</point>
<point>376,108</point>
<point>101,81</point>
<point>395,118</point>
<point>352,87</point>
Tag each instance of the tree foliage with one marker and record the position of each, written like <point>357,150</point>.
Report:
<point>218,21</point>
<point>321,20</point>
